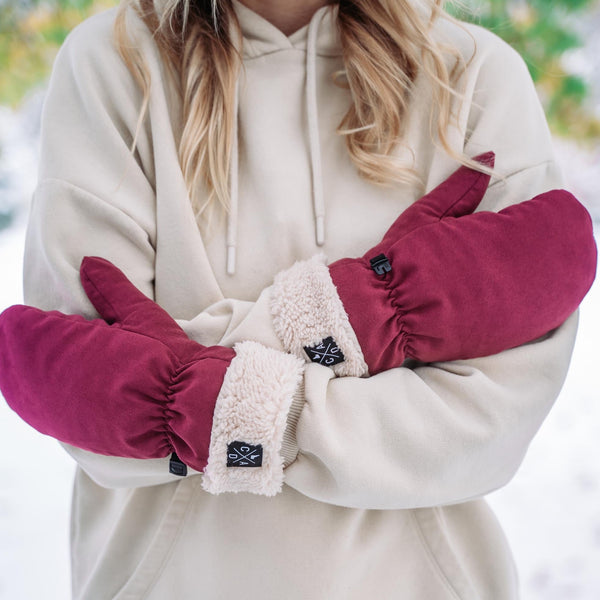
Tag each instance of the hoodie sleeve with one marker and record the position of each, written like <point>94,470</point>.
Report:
<point>446,432</point>
<point>427,434</point>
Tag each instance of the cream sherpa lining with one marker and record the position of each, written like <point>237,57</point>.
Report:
<point>252,407</point>
<point>306,309</point>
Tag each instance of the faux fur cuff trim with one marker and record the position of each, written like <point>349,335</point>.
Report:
<point>251,411</point>
<point>307,309</point>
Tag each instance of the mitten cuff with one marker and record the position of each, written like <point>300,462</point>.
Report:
<point>311,321</point>
<point>249,421</point>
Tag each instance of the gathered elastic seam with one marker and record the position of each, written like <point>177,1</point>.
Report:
<point>170,400</point>
<point>398,311</point>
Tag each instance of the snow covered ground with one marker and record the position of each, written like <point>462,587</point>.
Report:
<point>550,511</point>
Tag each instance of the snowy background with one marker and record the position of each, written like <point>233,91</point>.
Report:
<point>550,511</point>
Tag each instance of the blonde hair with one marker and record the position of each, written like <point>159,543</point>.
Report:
<point>385,44</point>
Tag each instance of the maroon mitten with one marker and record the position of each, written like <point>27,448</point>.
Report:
<point>443,284</point>
<point>135,385</point>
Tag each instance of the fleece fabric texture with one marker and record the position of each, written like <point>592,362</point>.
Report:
<point>384,478</point>
<point>307,308</point>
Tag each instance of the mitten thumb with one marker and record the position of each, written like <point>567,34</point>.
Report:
<point>456,196</point>
<point>119,301</point>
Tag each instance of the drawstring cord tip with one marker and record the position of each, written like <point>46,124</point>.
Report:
<point>230,260</point>
<point>320,230</point>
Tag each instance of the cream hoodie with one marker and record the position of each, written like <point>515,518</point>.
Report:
<point>384,478</point>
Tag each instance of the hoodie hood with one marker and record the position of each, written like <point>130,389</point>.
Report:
<point>262,37</point>
<point>320,37</point>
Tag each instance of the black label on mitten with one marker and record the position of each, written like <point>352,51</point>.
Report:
<point>176,466</point>
<point>241,454</point>
<point>325,353</point>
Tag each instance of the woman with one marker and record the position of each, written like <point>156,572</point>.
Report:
<point>384,474</point>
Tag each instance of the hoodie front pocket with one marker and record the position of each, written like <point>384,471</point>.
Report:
<point>432,531</point>
<point>158,552</point>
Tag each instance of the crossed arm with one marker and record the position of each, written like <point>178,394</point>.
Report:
<point>415,435</point>
<point>339,445</point>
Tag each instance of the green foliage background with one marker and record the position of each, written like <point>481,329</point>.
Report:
<point>31,31</point>
<point>542,31</point>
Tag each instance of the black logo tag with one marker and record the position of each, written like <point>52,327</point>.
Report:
<point>241,454</point>
<point>176,466</point>
<point>325,353</point>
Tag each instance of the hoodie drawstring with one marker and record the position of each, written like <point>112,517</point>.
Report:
<point>314,150</point>
<point>232,217</point>
<point>313,133</point>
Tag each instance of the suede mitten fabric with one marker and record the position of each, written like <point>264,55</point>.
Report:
<point>132,384</point>
<point>444,283</point>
